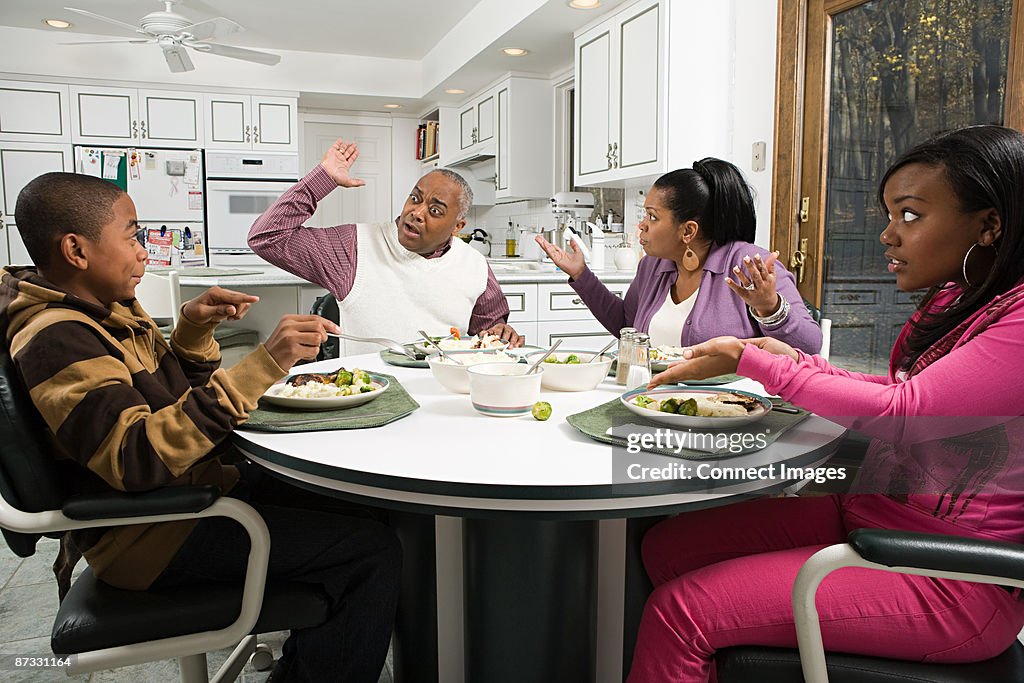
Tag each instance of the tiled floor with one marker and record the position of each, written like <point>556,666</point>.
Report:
<point>28,603</point>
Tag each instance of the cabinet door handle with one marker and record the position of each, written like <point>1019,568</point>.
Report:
<point>577,301</point>
<point>142,128</point>
<point>135,128</point>
<point>615,154</point>
<point>248,138</point>
<point>608,155</point>
<point>255,134</point>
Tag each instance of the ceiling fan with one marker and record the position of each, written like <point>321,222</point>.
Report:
<point>173,33</point>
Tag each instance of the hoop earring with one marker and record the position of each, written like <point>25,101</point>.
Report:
<point>690,260</point>
<point>963,267</point>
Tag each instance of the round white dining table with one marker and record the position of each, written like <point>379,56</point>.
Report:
<point>520,537</point>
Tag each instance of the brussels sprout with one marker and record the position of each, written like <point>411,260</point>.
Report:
<point>360,377</point>
<point>643,401</point>
<point>573,359</point>
<point>344,378</point>
<point>541,410</point>
<point>687,407</point>
<point>552,359</point>
<point>669,405</point>
<point>365,388</point>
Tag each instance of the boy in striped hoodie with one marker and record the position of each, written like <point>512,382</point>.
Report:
<point>138,413</point>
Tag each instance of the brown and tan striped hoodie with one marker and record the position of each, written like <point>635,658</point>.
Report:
<point>135,412</point>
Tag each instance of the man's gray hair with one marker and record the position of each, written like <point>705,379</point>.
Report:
<point>465,191</point>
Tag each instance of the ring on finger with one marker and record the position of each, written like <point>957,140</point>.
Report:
<point>749,287</point>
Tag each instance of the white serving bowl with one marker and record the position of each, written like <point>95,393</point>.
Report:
<point>453,377</point>
<point>503,389</point>
<point>582,377</point>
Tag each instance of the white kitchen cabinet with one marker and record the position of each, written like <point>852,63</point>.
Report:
<point>476,121</point>
<point>620,95</point>
<point>256,122</point>
<point>586,335</point>
<point>545,312</point>
<point>523,164</point>
<point>34,112</point>
<point>130,117</point>
<point>21,162</point>
<point>561,302</point>
<point>522,302</point>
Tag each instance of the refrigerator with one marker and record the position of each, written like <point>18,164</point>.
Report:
<point>167,188</point>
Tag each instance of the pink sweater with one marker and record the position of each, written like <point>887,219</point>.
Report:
<point>948,448</point>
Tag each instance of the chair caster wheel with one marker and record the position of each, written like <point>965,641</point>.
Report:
<point>263,658</point>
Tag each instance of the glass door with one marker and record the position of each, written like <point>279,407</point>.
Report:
<point>880,77</point>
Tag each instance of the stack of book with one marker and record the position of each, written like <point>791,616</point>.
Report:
<point>426,140</point>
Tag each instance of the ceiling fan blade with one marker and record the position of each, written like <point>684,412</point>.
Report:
<point>115,22</point>
<point>236,53</point>
<point>109,42</point>
<point>178,59</point>
<point>212,29</point>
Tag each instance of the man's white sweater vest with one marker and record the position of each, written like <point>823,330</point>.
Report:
<point>397,292</point>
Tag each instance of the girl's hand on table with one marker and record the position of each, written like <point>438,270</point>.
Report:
<point>718,356</point>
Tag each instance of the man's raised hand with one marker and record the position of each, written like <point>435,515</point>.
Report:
<point>338,161</point>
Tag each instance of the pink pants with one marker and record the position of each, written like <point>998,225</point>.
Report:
<point>723,577</point>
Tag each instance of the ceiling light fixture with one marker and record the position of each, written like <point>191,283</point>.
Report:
<point>515,51</point>
<point>57,23</point>
<point>585,4</point>
<point>392,106</point>
<point>455,91</point>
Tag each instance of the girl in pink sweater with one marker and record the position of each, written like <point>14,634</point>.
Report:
<point>948,435</point>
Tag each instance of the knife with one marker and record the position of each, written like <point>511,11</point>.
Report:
<point>320,420</point>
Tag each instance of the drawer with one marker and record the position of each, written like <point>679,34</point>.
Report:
<point>853,297</point>
<point>560,302</point>
<point>522,302</point>
<point>588,335</point>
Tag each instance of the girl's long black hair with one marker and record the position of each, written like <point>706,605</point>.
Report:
<point>714,194</point>
<point>985,168</point>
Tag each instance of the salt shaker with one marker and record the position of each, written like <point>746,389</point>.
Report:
<point>639,373</point>
<point>625,354</point>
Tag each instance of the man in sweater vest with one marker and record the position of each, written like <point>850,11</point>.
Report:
<point>391,278</point>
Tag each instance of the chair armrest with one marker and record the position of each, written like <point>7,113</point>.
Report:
<point>165,501</point>
<point>939,552</point>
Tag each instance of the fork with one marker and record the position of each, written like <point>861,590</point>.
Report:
<point>441,354</point>
<point>390,344</point>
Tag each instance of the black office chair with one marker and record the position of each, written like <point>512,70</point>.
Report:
<point>326,306</point>
<point>900,551</point>
<point>108,627</point>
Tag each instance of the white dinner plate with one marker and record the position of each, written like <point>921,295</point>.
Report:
<point>327,403</point>
<point>694,421</point>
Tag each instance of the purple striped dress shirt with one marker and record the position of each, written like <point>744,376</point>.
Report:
<point>327,256</point>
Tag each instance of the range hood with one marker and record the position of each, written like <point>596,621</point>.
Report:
<point>471,160</point>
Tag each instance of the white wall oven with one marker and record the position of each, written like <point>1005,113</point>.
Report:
<point>239,187</point>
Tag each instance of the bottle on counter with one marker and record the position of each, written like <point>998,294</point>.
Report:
<point>639,373</point>
<point>510,241</point>
<point>625,354</point>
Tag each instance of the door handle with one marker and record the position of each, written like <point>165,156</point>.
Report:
<point>255,134</point>
<point>135,128</point>
<point>608,155</point>
<point>142,128</point>
<point>798,260</point>
<point>615,154</point>
<point>248,137</point>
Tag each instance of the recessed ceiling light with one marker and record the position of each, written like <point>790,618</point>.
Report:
<point>455,91</point>
<point>585,4</point>
<point>514,51</point>
<point>392,106</point>
<point>57,23</point>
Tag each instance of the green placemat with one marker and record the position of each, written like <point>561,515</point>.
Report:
<point>708,382</point>
<point>395,403</point>
<point>400,360</point>
<point>199,271</point>
<point>596,422</point>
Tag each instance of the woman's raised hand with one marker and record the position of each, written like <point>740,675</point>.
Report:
<point>755,283</point>
<point>718,356</point>
<point>571,263</point>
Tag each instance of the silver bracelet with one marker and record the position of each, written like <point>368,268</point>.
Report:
<point>776,318</point>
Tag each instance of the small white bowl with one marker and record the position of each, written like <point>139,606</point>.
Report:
<point>453,377</point>
<point>503,389</point>
<point>576,377</point>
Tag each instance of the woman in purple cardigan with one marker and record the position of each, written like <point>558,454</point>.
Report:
<point>698,225</point>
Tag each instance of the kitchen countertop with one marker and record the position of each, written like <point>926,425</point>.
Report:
<point>269,276</point>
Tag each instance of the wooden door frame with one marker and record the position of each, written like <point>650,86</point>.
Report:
<point>803,47</point>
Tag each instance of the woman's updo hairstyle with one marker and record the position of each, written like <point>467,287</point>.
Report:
<point>714,194</point>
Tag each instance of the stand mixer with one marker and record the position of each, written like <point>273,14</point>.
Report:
<point>572,210</point>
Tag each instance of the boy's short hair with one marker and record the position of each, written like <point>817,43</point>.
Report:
<point>58,203</point>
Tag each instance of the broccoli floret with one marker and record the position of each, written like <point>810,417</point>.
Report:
<point>573,359</point>
<point>344,378</point>
<point>687,407</point>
